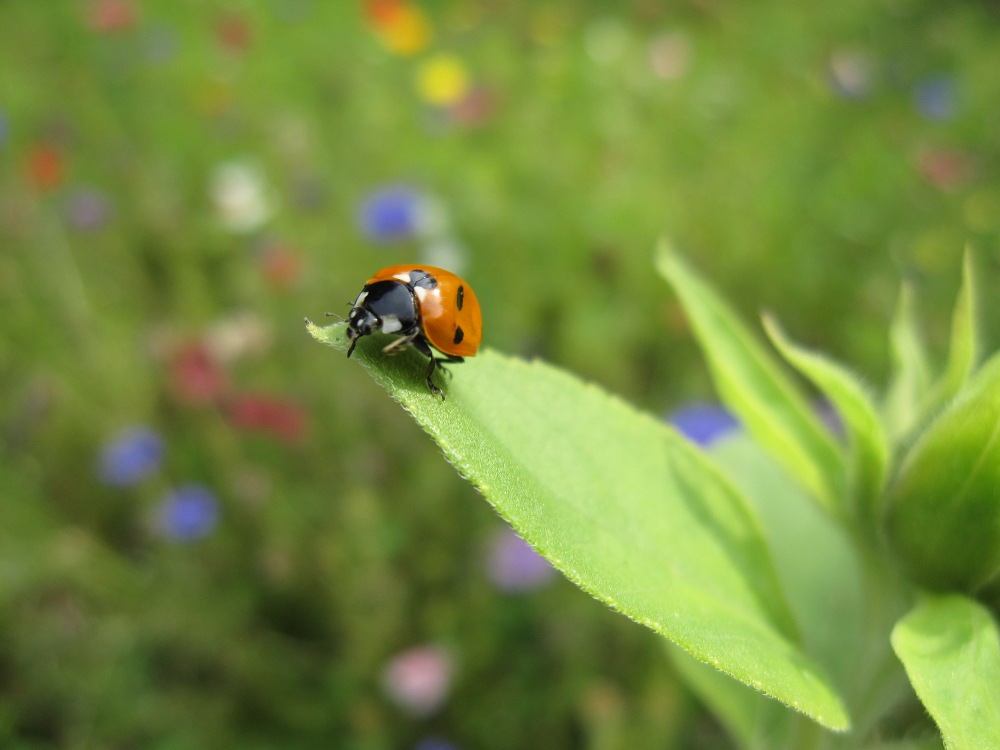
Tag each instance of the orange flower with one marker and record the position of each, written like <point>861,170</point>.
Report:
<point>402,28</point>
<point>45,167</point>
<point>380,13</point>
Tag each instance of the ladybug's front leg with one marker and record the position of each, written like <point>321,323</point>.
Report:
<point>396,346</point>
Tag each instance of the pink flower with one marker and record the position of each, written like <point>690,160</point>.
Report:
<point>281,266</point>
<point>418,680</point>
<point>111,15</point>
<point>947,169</point>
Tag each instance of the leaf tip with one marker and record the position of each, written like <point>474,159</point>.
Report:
<point>666,255</point>
<point>771,325</point>
<point>332,335</point>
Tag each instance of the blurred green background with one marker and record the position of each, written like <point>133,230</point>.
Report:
<point>215,533</point>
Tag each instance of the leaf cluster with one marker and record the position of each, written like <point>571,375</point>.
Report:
<point>789,567</point>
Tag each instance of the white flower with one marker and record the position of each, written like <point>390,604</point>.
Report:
<point>241,196</point>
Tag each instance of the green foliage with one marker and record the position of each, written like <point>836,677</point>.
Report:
<point>749,380</point>
<point>950,646</point>
<point>869,454</point>
<point>624,506</point>
<point>787,148</point>
<point>723,553</point>
<point>911,377</point>
<point>963,356</point>
<point>944,509</point>
<point>821,577</point>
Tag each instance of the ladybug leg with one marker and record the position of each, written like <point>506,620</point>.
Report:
<point>430,379</point>
<point>421,345</point>
<point>399,344</point>
<point>450,359</point>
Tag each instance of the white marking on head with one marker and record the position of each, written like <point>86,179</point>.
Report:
<point>421,293</point>
<point>391,324</point>
<point>361,298</point>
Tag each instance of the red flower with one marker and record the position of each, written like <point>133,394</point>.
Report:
<point>234,33</point>
<point>275,416</point>
<point>196,377</point>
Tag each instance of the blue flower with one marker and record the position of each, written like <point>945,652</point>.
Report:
<point>188,513</point>
<point>130,457</point>
<point>703,423</point>
<point>936,97</point>
<point>393,213</point>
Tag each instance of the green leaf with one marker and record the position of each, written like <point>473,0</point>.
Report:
<point>816,562</point>
<point>750,381</point>
<point>944,509</point>
<point>964,350</point>
<point>910,379</point>
<point>623,505</point>
<point>821,576</point>
<point>869,444</point>
<point>753,720</point>
<point>950,648</point>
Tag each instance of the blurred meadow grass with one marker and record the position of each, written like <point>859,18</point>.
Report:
<point>182,182</point>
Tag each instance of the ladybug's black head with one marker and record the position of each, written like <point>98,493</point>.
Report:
<point>360,322</point>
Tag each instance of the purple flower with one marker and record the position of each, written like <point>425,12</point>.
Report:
<point>393,213</point>
<point>830,417</point>
<point>131,456</point>
<point>187,514</point>
<point>936,97</point>
<point>87,209</point>
<point>514,566</point>
<point>418,680</point>
<point>703,423</point>
<point>435,743</point>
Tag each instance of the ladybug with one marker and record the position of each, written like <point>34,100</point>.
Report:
<point>429,308</point>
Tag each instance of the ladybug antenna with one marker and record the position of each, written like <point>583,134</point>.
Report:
<point>335,315</point>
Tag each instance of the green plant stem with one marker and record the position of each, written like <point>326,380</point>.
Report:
<point>881,679</point>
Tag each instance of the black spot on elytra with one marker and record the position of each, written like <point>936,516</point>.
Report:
<point>461,296</point>
<point>459,335</point>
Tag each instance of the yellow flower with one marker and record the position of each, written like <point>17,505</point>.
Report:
<point>442,80</point>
